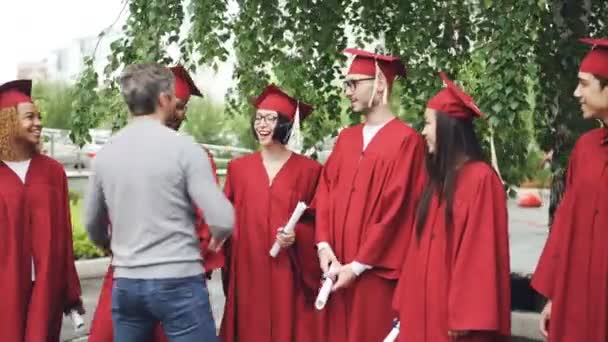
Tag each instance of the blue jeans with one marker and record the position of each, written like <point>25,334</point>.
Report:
<point>181,305</point>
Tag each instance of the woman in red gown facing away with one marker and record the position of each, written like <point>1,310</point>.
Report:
<point>38,281</point>
<point>271,299</point>
<point>454,285</point>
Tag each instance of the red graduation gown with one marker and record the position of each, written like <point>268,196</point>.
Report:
<point>101,326</point>
<point>211,260</point>
<point>365,205</point>
<point>459,279</point>
<point>35,222</point>
<point>573,268</point>
<point>267,297</point>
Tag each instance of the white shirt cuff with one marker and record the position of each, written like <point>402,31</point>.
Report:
<point>359,268</point>
<point>321,245</point>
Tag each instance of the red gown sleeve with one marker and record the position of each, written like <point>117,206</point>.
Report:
<point>227,247</point>
<point>304,250</point>
<point>544,277</point>
<point>211,260</point>
<point>321,198</point>
<point>73,291</point>
<point>385,240</point>
<point>479,283</point>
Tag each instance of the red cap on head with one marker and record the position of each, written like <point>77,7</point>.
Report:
<point>275,99</point>
<point>15,92</point>
<point>365,64</point>
<point>596,61</point>
<point>184,85</point>
<point>454,102</point>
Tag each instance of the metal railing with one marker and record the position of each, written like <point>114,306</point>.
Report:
<point>57,145</point>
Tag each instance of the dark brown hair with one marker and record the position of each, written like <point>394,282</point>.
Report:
<point>455,141</point>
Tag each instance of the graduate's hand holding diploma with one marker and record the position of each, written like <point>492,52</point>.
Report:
<point>286,238</point>
<point>328,282</point>
<point>345,276</point>
<point>327,258</point>
<point>286,235</point>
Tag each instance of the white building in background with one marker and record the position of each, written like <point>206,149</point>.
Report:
<point>33,70</point>
<point>66,63</point>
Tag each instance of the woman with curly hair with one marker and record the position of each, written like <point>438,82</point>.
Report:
<point>38,281</point>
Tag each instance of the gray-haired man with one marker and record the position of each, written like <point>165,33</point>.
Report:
<point>145,180</point>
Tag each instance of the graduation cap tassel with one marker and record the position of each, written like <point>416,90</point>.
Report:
<point>375,87</point>
<point>493,156</point>
<point>295,138</point>
<point>385,95</point>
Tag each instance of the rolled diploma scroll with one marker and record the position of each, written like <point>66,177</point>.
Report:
<point>77,320</point>
<point>392,336</point>
<point>325,291</point>
<point>290,226</point>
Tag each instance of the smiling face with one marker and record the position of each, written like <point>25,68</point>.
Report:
<point>592,96</point>
<point>264,124</point>
<point>359,90</point>
<point>30,124</point>
<point>430,129</point>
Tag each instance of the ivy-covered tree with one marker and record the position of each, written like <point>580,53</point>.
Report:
<point>54,99</point>
<point>559,121</point>
<point>501,51</point>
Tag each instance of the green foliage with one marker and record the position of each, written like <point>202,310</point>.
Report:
<point>54,100</point>
<point>240,126</point>
<point>517,58</point>
<point>206,122</point>
<point>83,248</point>
<point>558,55</point>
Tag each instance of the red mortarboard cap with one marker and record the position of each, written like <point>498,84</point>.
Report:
<point>15,92</point>
<point>364,63</point>
<point>275,99</point>
<point>454,101</point>
<point>596,61</point>
<point>184,85</point>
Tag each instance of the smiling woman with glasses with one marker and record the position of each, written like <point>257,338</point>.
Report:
<point>265,188</point>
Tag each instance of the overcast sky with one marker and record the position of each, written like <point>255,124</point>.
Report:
<point>33,28</point>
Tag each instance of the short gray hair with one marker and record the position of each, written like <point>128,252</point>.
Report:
<point>142,84</point>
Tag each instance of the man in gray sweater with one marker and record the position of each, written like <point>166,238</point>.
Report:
<point>147,182</point>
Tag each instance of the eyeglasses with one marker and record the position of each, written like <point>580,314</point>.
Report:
<point>269,119</point>
<point>352,84</point>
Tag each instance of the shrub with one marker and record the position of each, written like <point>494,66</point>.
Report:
<point>83,247</point>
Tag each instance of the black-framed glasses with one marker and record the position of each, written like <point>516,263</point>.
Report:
<point>352,84</point>
<point>268,119</point>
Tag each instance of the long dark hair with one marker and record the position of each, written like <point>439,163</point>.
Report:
<point>456,142</point>
<point>282,131</point>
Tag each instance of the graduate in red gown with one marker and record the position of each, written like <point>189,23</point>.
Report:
<point>101,326</point>
<point>365,203</point>
<point>455,281</point>
<point>573,270</point>
<point>38,280</point>
<point>271,299</point>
